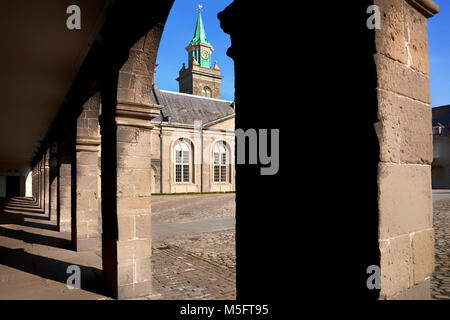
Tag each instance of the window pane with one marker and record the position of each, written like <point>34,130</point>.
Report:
<point>216,157</point>
<point>185,173</point>
<point>184,146</point>
<point>224,158</point>
<point>223,174</point>
<point>186,157</point>
<point>178,173</point>
<point>216,173</point>
<point>177,156</point>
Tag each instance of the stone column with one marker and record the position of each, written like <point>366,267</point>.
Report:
<point>41,183</point>
<point>126,171</point>
<point>86,217</point>
<point>46,181</point>
<point>166,182</point>
<point>64,185</point>
<point>36,183</point>
<point>33,185</point>
<point>406,235</point>
<point>53,177</point>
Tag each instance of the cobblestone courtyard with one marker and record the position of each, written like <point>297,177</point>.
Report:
<point>440,281</point>
<point>194,264</point>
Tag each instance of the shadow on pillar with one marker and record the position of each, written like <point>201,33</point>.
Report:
<point>64,185</point>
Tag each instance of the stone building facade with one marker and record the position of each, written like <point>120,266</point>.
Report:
<point>196,124</point>
<point>440,167</point>
<point>201,130</point>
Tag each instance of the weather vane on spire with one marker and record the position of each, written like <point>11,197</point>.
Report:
<point>200,8</point>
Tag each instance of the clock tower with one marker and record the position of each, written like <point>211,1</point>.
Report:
<point>199,78</point>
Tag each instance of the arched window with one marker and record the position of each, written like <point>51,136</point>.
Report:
<point>206,92</point>
<point>182,162</point>
<point>220,162</point>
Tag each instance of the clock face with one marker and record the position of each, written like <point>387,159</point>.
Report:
<point>205,55</point>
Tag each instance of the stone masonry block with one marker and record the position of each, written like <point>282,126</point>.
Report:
<point>132,205</point>
<point>129,249</point>
<point>124,80</point>
<point>82,229</point>
<point>125,94</point>
<point>404,199</point>
<point>87,158</point>
<point>142,184</point>
<point>396,265</point>
<point>90,170</point>
<point>134,290</point>
<point>127,134</point>
<point>423,254</point>
<point>143,226</point>
<point>390,39</point>
<point>127,227</point>
<point>399,78</point>
<point>87,183</point>
<point>144,137</point>
<point>126,161</point>
<point>125,271</point>
<point>93,229</point>
<point>133,149</point>
<point>143,269</point>
<point>417,39</point>
<point>404,130</point>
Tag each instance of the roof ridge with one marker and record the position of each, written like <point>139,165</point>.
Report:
<point>444,106</point>
<point>195,96</point>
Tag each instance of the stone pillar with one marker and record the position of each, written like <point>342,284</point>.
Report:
<point>126,171</point>
<point>406,235</point>
<point>33,185</point>
<point>86,217</point>
<point>41,183</point>
<point>36,183</point>
<point>64,185</point>
<point>166,182</point>
<point>53,178</point>
<point>46,181</point>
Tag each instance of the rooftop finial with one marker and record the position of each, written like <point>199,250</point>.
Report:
<point>200,8</point>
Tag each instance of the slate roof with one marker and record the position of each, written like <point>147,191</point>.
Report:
<point>187,108</point>
<point>441,115</point>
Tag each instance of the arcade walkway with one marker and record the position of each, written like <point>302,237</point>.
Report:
<point>34,256</point>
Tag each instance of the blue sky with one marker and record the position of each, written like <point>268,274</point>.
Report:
<point>180,27</point>
<point>179,30</point>
<point>439,41</point>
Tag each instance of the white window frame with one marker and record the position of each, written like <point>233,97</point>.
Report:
<point>183,161</point>
<point>220,163</point>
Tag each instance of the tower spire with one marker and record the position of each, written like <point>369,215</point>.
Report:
<point>199,78</point>
<point>199,34</point>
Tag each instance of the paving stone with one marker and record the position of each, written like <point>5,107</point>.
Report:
<point>440,279</point>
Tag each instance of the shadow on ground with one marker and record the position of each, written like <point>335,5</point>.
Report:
<point>14,212</point>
